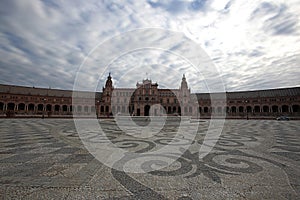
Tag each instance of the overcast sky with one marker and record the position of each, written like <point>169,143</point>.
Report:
<point>253,44</point>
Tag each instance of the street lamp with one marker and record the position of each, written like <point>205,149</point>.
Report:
<point>45,107</point>
<point>246,101</point>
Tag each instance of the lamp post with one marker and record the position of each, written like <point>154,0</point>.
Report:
<point>45,108</point>
<point>246,101</point>
<point>97,109</point>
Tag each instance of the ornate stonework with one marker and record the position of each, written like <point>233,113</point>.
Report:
<point>147,99</point>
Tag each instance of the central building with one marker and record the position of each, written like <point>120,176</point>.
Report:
<point>146,99</point>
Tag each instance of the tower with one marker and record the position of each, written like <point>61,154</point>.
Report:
<point>184,95</point>
<point>106,96</point>
<point>184,90</point>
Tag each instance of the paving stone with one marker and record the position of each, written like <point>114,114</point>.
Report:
<point>45,159</point>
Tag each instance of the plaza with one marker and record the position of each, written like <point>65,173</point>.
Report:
<point>252,159</point>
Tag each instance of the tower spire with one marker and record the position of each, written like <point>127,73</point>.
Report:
<point>184,83</point>
<point>108,81</point>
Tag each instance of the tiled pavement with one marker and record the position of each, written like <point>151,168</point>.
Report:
<point>45,159</point>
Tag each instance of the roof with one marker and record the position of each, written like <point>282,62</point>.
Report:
<point>295,91</point>
<point>12,89</point>
<point>255,94</point>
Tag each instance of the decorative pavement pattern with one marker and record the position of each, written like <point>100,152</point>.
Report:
<point>45,159</point>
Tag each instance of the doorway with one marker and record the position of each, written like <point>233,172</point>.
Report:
<point>146,110</point>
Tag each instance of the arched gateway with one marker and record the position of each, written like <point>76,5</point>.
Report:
<point>146,110</point>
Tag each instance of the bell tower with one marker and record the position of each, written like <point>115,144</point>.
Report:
<point>184,95</point>
<point>107,91</point>
<point>108,83</point>
<point>184,85</point>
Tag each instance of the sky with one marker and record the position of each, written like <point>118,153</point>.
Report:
<point>251,45</point>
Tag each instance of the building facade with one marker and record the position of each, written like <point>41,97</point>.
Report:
<point>147,99</point>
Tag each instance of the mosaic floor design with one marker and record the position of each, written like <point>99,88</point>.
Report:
<point>45,159</point>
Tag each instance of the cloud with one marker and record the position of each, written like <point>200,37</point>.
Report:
<point>253,43</point>
<point>277,18</point>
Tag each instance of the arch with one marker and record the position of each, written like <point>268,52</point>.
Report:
<point>213,109</point>
<point>295,108</point>
<point>10,106</point>
<point>219,109</point>
<point>257,109</point>
<point>185,109</point>
<point>71,108</point>
<point>241,109</point>
<point>31,107</point>
<point>249,109</point>
<point>57,108</point>
<point>274,108</point>
<point>227,109</point>
<point>169,109</point>
<point>174,109</point>
<point>179,110</point>
<point>200,109</point>
<point>107,109</point>
<point>40,107</point>
<point>265,108</point>
<point>285,108</point>
<point>205,109</point>
<point>86,109</point>
<point>146,110</point>
<point>65,108</point>
<point>21,106</point>
<point>49,107</point>
<point>1,106</point>
<point>102,109</point>
<point>79,108</point>
<point>138,112</point>
<point>233,109</point>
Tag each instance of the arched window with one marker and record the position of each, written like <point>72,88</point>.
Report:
<point>21,106</point>
<point>174,109</point>
<point>205,109</point>
<point>285,108</point>
<point>56,108</point>
<point>296,108</point>
<point>233,109</point>
<point>274,108</point>
<point>48,107</point>
<point>169,110</point>
<point>31,107</point>
<point>241,109</point>
<point>40,107</point>
<point>265,108</point>
<point>256,109</point>
<point>65,108</point>
<point>249,109</point>
<point>10,106</point>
